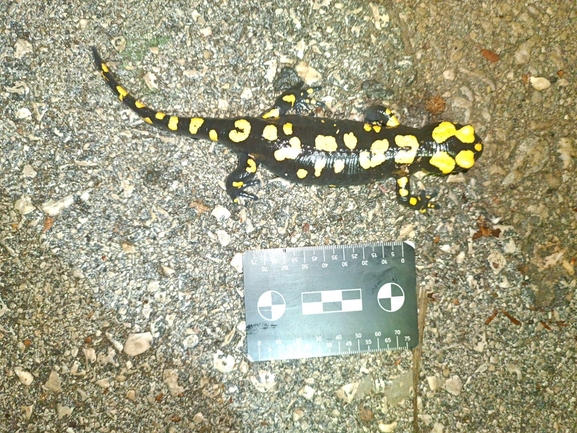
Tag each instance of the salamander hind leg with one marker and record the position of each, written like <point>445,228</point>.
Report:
<point>242,177</point>
<point>420,202</point>
<point>378,114</point>
<point>298,99</point>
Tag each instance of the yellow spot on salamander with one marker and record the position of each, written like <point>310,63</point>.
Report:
<point>287,128</point>
<point>377,128</point>
<point>339,165</point>
<point>270,132</point>
<point>289,152</point>
<point>406,156</point>
<point>122,92</point>
<point>413,201</point>
<point>139,104</point>
<point>160,115</point>
<point>147,120</point>
<point>104,67</point>
<point>238,184</point>
<point>328,143</point>
<point>367,127</point>
<point>173,123</point>
<point>479,147</point>
<point>380,146</point>
<point>365,159</point>
<point>213,135</point>
<point>350,140</point>
<point>393,121</point>
<point>443,161</point>
<point>291,99</point>
<point>443,132</point>
<point>302,173</point>
<point>250,166</point>
<point>465,159</point>
<point>466,134</point>
<point>271,114</point>
<point>319,165</point>
<point>241,132</point>
<point>195,124</point>
<point>402,181</point>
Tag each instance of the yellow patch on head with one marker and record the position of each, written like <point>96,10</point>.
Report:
<point>478,147</point>
<point>173,123</point>
<point>466,134</point>
<point>241,132</point>
<point>402,181</point>
<point>443,161</point>
<point>443,132</point>
<point>403,192</point>
<point>250,166</point>
<point>287,128</point>
<point>160,115</point>
<point>270,132</point>
<point>271,114</point>
<point>350,140</point>
<point>122,92</point>
<point>194,125</point>
<point>465,159</point>
<point>213,135</point>
<point>377,128</point>
<point>339,165</point>
<point>367,127</point>
<point>410,144</point>
<point>147,120</point>
<point>319,165</point>
<point>104,67</point>
<point>328,143</point>
<point>139,104</point>
<point>291,99</point>
<point>238,184</point>
<point>302,173</point>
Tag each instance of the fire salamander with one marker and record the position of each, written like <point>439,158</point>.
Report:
<point>322,151</point>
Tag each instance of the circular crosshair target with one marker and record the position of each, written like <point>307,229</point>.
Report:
<point>391,297</point>
<point>271,305</point>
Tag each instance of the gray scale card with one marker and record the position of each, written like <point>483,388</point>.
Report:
<point>332,300</point>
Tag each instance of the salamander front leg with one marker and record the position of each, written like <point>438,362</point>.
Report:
<point>420,202</point>
<point>298,99</point>
<point>242,177</point>
<point>378,114</point>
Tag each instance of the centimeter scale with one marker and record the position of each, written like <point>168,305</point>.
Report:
<point>330,300</point>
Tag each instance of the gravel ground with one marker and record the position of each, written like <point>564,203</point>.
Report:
<point>114,239</point>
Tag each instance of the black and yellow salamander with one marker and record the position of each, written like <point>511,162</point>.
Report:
<point>322,151</point>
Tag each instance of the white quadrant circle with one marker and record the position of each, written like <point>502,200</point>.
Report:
<point>271,305</point>
<point>391,297</point>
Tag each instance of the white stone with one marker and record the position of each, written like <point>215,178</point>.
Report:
<point>224,364</point>
<point>438,428</point>
<point>223,237</point>
<point>170,378</point>
<point>24,205</point>
<point>138,343</point>
<point>347,392</point>
<point>387,428</point>
<point>236,262</point>
<point>220,213</point>
<point>54,207</point>
<point>298,413</point>
<point>307,392</point>
<point>434,383</point>
<point>540,83</point>
<point>23,113</point>
<point>453,385</point>
<point>24,376</point>
<point>53,382</point>
<point>264,382</point>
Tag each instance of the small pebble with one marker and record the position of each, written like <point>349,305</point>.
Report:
<point>54,207</point>
<point>23,113</point>
<point>307,392</point>
<point>53,382</point>
<point>223,237</point>
<point>387,428</point>
<point>224,364</point>
<point>453,385</point>
<point>540,83</point>
<point>298,413</point>
<point>236,262</point>
<point>25,377</point>
<point>138,343</point>
<point>220,213</point>
<point>24,205</point>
